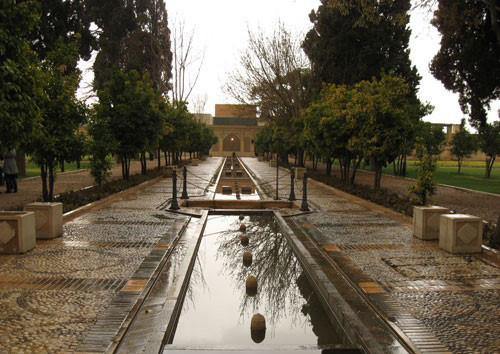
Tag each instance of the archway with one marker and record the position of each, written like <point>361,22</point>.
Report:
<point>231,143</point>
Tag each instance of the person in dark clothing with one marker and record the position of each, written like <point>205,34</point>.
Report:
<point>11,171</point>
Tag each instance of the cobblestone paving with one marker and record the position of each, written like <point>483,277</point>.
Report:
<point>462,201</point>
<point>51,296</point>
<point>456,297</point>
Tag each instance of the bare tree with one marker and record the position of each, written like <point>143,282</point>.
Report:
<point>187,62</point>
<point>199,103</point>
<point>275,74</point>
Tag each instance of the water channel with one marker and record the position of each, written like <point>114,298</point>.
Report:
<point>218,308</point>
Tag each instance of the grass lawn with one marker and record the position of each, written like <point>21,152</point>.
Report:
<point>33,170</point>
<point>469,177</point>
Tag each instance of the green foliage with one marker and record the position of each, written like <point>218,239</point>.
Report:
<point>19,75</point>
<point>489,142</point>
<point>56,138</point>
<point>371,120</point>
<point>61,20</point>
<point>100,147</point>
<point>134,36</point>
<point>356,40</point>
<point>263,141</point>
<point>425,186</point>
<point>468,61</point>
<point>463,144</point>
<point>129,108</point>
<point>432,137</point>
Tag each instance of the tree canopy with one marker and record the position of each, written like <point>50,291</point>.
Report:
<point>19,73</point>
<point>468,61</point>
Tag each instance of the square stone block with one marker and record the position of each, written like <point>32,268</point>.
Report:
<point>426,221</point>
<point>460,233</point>
<point>195,162</point>
<point>48,219</point>
<point>203,158</point>
<point>273,163</point>
<point>299,172</point>
<point>17,232</point>
<point>260,158</point>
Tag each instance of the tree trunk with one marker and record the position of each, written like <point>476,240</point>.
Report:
<point>490,161</point>
<point>62,165</point>
<point>356,163</point>
<point>329,163</point>
<point>158,155</point>
<point>78,164</point>
<point>122,160</point>
<point>51,182</point>
<point>301,157</point>
<point>459,165</point>
<point>144,166</point>
<point>377,176</point>
<point>43,174</point>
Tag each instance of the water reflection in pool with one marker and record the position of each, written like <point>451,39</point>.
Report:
<point>217,310</point>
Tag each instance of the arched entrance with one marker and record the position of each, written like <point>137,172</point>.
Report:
<point>231,143</point>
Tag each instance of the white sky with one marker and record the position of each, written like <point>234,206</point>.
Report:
<point>221,30</point>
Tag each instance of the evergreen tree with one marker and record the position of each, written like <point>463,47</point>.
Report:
<point>356,40</point>
<point>19,76</point>
<point>468,61</point>
<point>134,35</point>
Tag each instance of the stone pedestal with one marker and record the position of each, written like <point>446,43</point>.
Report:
<point>17,232</point>
<point>272,163</point>
<point>460,233</point>
<point>195,162</point>
<point>299,172</point>
<point>260,158</point>
<point>426,221</point>
<point>48,219</point>
<point>203,158</point>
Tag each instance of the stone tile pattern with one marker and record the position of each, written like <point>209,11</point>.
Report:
<point>51,296</point>
<point>454,297</point>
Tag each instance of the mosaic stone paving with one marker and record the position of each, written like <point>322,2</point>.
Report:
<point>51,296</point>
<point>420,287</point>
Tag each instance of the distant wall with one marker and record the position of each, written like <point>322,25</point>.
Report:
<point>235,110</point>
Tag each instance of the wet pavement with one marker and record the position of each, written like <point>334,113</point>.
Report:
<point>77,293</point>
<point>441,302</point>
<point>53,298</point>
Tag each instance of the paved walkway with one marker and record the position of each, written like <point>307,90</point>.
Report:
<point>437,299</point>
<point>30,189</point>
<point>53,295</point>
<point>486,206</point>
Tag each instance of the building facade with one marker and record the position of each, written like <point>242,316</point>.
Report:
<point>236,127</point>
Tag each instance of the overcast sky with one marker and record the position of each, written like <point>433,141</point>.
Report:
<point>221,31</point>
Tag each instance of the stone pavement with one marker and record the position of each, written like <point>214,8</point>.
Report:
<point>484,205</point>
<point>53,295</point>
<point>440,301</point>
